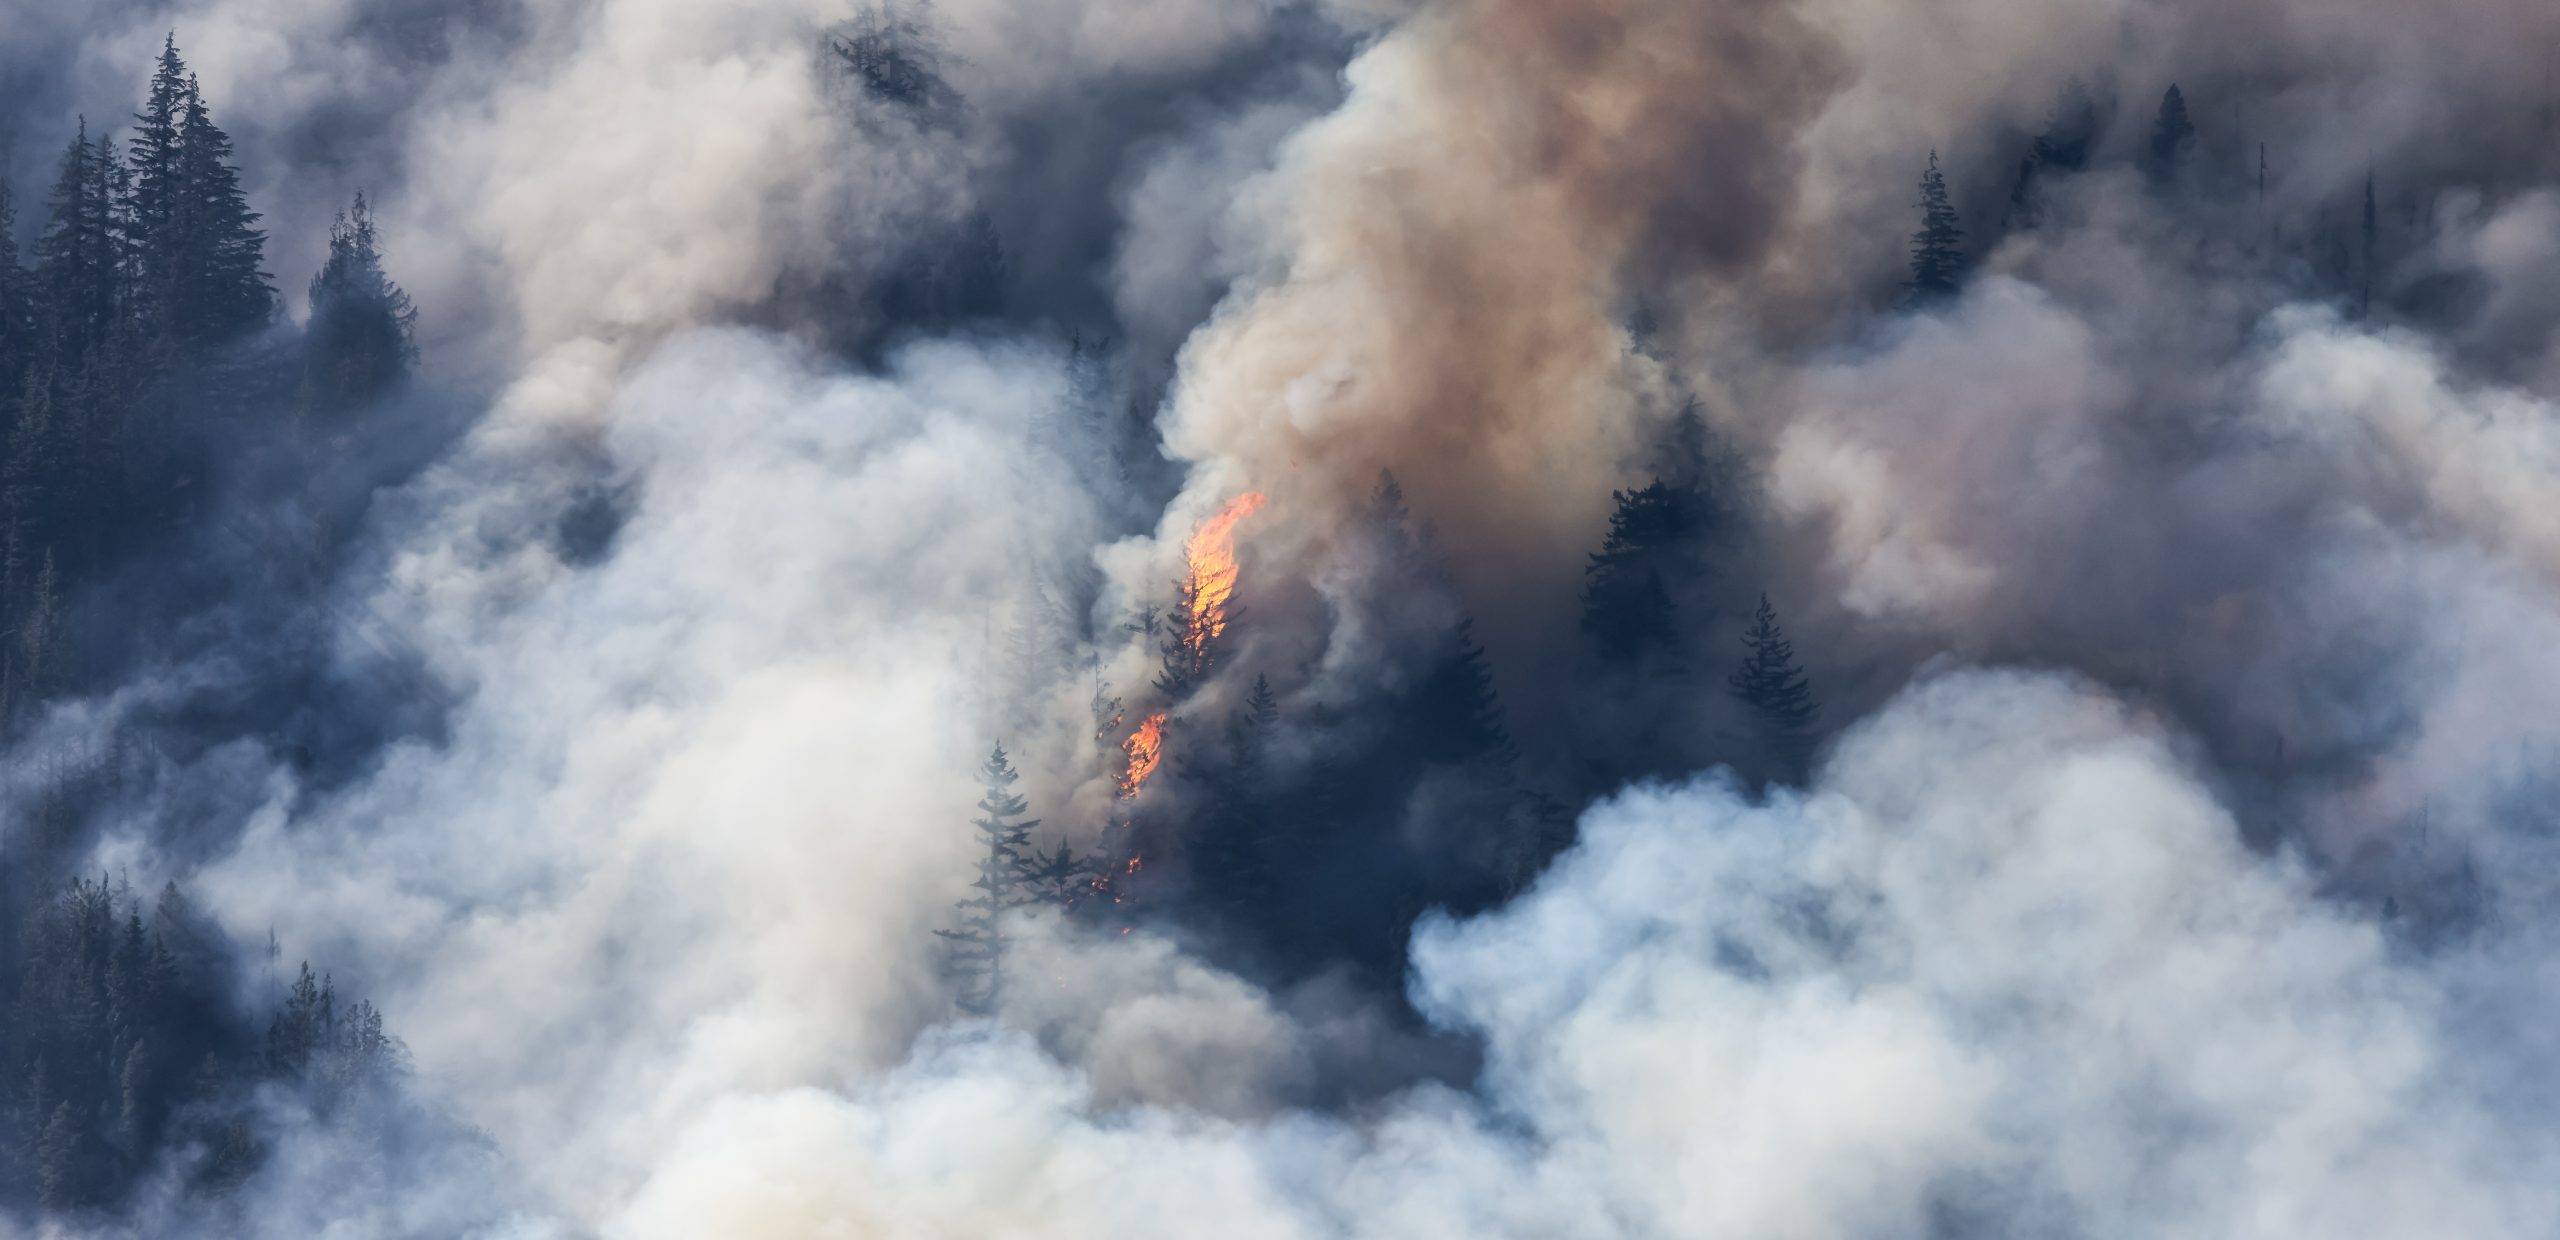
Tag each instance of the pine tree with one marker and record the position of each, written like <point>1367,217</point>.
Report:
<point>1005,870</point>
<point>158,206</point>
<point>302,1026</point>
<point>223,293</point>
<point>1627,606</point>
<point>1184,648</point>
<point>1453,713</point>
<point>1937,250</point>
<point>2173,137</point>
<point>133,1097</point>
<point>1059,878</point>
<point>1230,853</point>
<point>1777,695</point>
<point>18,344</point>
<point>62,1161</point>
<point>36,657</point>
<point>361,343</point>
<point>77,269</point>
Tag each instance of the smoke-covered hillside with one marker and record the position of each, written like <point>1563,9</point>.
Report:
<point>1291,618</point>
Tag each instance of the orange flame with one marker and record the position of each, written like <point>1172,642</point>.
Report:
<point>1210,558</point>
<point>1145,748</point>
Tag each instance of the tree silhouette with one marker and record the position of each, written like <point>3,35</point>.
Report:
<point>1006,876</point>
<point>2173,136</point>
<point>1937,250</point>
<point>1778,695</point>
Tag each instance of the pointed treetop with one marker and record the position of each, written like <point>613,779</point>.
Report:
<point>2173,135</point>
<point>1778,694</point>
<point>1937,249</point>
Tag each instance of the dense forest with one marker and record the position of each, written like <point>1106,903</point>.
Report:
<point>1316,619</point>
<point>141,343</point>
<point>1690,657</point>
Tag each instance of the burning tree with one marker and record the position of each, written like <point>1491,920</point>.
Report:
<point>1202,598</point>
<point>1187,637</point>
<point>1010,875</point>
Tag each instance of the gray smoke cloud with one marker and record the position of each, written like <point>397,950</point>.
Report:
<point>2007,968</point>
<point>2176,871</point>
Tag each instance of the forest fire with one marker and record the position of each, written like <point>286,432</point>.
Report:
<point>1145,748</point>
<point>1210,564</point>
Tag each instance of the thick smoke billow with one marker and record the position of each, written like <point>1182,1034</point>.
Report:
<point>2007,968</point>
<point>1634,618</point>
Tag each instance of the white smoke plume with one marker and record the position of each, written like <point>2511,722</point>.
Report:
<point>2174,870</point>
<point>2007,969</point>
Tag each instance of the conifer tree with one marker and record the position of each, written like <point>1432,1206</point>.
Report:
<point>223,291</point>
<point>361,342</point>
<point>1778,696</point>
<point>1185,650</point>
<point>1627,606</point>
<point>1230,853</point>
<point>35,655</point>
<point>1454,714</point>
<point>158,206</point>
<point>976,956</point>
<point>77,267</point>
<point>62,1160</point>
<point>2173,136</point>
<point>303,1025</point>
<point>1937,250</point>
<point>18,344</point>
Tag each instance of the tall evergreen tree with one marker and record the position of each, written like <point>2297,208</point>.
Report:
<point>18,344</point>
<point>1778,696</point>
<point>35,656</point>
<point>1186,650</point>
<point>361,342</point>
<point>158,205</point>
<point>223,293</point>
<point>1453,714</point>
<point>64,1159</point>
<point>1627,606</point>
<point>1230,852</point>
<point>362,324</point>
<point>305,1024</point>
<point>1005,873</point>
<point>1937,250</point>
<point>77,266</point>
<point>2173,136</point>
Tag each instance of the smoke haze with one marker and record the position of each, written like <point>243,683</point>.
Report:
<point>812,395</point>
